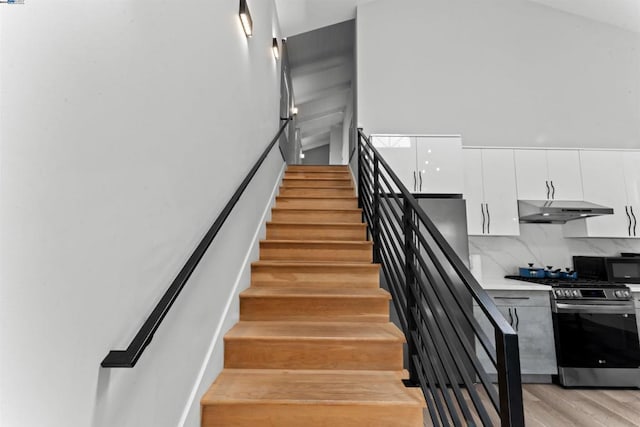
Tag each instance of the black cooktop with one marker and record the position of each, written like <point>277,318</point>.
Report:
<point>569,283</point>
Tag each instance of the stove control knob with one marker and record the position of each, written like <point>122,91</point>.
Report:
<point>559,293</point>
<point>566,293</point>
<point>618,294</point>
<point>575,293</point>
<point>625,294</point>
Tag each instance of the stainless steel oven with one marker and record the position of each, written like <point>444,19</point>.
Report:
<point>596,336</point>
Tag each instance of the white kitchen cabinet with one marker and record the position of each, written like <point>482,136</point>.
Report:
<point>490,192</point>
<point>548,174</point>
<point>529,313</point>
<point>439,164</point>
<point>424,163</point>
<point>610,179</point>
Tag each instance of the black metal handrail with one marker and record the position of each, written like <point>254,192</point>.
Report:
<point>129,357</point>
<point>449,353</point>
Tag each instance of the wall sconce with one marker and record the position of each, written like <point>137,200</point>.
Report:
<point>294,111</point>
<point>302,155</point>
<point>275,48</point>
<point>245,18</point>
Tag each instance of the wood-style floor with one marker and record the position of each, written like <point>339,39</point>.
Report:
<point>548,405</point>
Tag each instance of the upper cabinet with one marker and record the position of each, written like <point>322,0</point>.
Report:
<point>490,192</point>
<point>424,163</point>
<point>611,179</point>
<point>548,174</point>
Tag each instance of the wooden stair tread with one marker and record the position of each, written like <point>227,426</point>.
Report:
<point>313,210</point>
<point>313,197</point>
<point>312,264</point>
<point>319,224</point>
<point>309,292</point>
<point>313,331</point>
<point>337,387</point>
<point>363,243</point>
<point>317,178</point>
<point>317,167</point>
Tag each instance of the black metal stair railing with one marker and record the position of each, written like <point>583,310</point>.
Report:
<point>452,354</point>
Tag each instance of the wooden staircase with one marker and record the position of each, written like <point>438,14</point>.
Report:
<point>314,345</point>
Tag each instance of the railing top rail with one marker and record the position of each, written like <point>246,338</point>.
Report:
<point>484,300</point>
<point>129,357</point>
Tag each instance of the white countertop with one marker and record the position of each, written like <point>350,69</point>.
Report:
<point>499,284</point>
<point>634,288</point>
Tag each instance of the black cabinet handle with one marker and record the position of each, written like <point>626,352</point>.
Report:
<point>486,205</point>
<point>515,312</point>
<point>510,317</point>
<point>415,185</point>
<point>548,189</point>
<point>483,217</point>
<point>420,176</point>
<point>626,209</point>
<point>553,190</point>
<point>634,220</point>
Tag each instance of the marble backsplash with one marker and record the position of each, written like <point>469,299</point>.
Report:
<point>542,244</point>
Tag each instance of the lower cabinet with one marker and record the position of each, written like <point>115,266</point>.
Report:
<point>529,313</point>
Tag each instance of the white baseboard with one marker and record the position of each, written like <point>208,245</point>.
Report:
<point>246,264</point>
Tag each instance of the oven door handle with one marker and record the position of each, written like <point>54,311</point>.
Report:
<point>584,308</point>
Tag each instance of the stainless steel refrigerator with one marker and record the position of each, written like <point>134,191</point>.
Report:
<point>449,216</point>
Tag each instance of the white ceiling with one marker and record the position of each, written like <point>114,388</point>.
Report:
<point>621,13</point>
<point>322,72</point>
<point>299,16</point>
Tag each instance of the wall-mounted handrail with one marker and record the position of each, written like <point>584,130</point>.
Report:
<point>432,291</point>
<point>129,357</point>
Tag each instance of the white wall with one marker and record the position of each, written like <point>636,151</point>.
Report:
<point>317,156</point>
<point>500,72</point>
<point>335,145</point>
<point>125,127</point>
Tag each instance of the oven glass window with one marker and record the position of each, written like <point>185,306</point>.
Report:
<point>624,270</point>
<point>596,340</point>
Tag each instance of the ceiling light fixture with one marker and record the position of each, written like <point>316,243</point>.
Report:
<point>245,18</point>
<point>276,49</point>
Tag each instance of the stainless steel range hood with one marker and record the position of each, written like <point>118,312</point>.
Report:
<point>558,211</point>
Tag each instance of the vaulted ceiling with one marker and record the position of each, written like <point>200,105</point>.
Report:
<point>298,16</point>
<point>322,72</point>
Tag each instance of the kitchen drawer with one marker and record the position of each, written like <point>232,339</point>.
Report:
<point>521,298</point>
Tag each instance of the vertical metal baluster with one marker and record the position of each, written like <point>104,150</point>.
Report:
<point>410,289</point>
<point>509,381</point>
<point>376,209</point>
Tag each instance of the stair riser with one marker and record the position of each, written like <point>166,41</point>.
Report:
<point>252,353</point>
<point>317,192</point>
<point>338,183</point>
<point>316,415</point>
<point>366,276</point>
<point>315,232</point>
<point>286,215</point>
<point>315,253</point>
<point>325,203</point>
<point>338,309</point>
<point>316,175</point>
